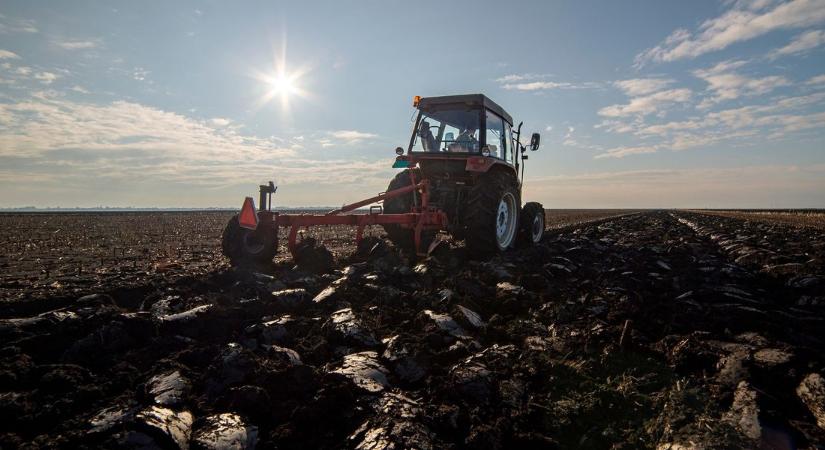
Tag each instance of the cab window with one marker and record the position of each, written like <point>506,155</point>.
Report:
<point>496,139</point>
<point>509,153</point>
<point>449,131</point>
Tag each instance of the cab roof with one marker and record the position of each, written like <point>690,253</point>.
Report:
<point>466,100</point>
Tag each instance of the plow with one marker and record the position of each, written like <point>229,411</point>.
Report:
<point>462,174</point>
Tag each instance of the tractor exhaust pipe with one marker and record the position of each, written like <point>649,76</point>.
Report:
<point>265,198</point>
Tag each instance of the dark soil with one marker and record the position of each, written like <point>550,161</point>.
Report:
<point>664,330</point>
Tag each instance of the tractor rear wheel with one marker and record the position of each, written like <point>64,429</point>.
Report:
<point>244,246</point>
<point>404,238</point>
<point>532,223</point>
<point>492,214</point>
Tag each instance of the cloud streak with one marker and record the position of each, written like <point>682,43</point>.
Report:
<point>647,104</point>
<point>9,26</point>
<point>743,22</point>
<point>46,77</point>
<point>76,44</point>
<point>817,80</point>
<point>727,84</point>
<point>352,135</point>
<point>801,44</point>
<point>80,145</point>
<point>522,82</point>
<point>772,121</point>
<point>642,86</point>
<point>621,152</point>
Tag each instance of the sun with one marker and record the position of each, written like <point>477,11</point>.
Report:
<point>281,84</point>
<point>282,80</point>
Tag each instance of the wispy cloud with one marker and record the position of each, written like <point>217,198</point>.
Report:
<point>344,137</point>
<point>77,44</point>
<point>547,85</point>
<point>781,117</point>
<point>5,54</point>
<point>140,74</point>
<point>642,86</point>
<point>819,79</point>
<point>537,86</point>
<point>727,84</point>
<point>646,96</point>
<point>154,142</point>
<point>43,125</point>
<point>350,136</point>
<point>578,140</point>
<point>647,104</point>
<point>220,121</point>
<point>512,78</point>
<point>744,21</point>
<point>46,77</point>
<point>621,152</point>
<point>802,43</point>
<point>8,25</point>
<point>133,143</point>
<point>539,82</point>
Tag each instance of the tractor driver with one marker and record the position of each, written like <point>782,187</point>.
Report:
<point>427,138</point>
<point>465,142</point>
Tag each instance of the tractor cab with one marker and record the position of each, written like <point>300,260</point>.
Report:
<point>461,136</point>
<point>462,126</point>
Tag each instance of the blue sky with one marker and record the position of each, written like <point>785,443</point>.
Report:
<point>640,104</point>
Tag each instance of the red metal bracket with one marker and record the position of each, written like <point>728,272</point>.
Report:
<point>422,217</point>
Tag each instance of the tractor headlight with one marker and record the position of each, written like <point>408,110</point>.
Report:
<point>399,151</point>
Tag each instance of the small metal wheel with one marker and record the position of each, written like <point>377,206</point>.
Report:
<point>244,246</point>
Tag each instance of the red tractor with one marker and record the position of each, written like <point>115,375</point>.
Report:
<point>461,175</point>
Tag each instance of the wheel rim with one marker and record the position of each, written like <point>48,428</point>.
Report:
<point>252,243</point>
<point>537,229</point>
<point>506,221</point>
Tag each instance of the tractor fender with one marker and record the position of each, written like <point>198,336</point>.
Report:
<point>482,164</point>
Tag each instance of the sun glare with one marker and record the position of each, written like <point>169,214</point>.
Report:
<point>281,81</point>
<point>282,84</point>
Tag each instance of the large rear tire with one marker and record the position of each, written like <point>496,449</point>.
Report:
<point>246,247</point>
<point>404,238</point>
<point>532,223</point>
<point>492,214</point>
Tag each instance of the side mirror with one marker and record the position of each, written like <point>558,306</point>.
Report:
<point>535,140</point>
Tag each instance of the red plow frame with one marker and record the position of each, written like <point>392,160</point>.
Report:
<point>422,217</point>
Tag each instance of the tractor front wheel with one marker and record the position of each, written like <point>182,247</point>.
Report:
<point>247,247</point>
<point>492,214</point>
